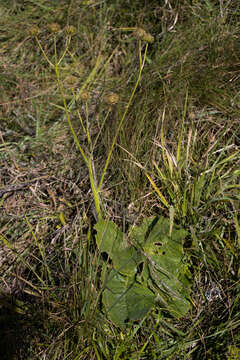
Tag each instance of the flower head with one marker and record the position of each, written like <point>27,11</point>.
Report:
<point>85,95</point>
<point>141,34</point>
<point>34,30</point>
<point>70,30</point>
<point>54,28</point>
<point>71,80</point>
<point>112,98</point>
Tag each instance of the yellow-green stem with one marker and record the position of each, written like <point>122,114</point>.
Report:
<point>142,62</point>
<point>67,115</point>
<point>88,160</point>
<point>44,54</point>
<point>100,130</point>
<point>95,191</point>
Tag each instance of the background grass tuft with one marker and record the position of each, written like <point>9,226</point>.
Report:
<point>182,129</point>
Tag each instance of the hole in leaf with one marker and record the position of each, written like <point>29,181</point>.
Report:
<point>158,243</point>
<point>140,268</point>
<point>150,228</point>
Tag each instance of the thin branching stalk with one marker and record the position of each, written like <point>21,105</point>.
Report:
<point>88,159</point>
<point>142,62</point>
<point>67,114</point>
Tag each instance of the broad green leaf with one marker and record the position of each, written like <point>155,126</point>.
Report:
<point>109,237</point>
<point>126,300</point>
<point>164,255</point>
<point>138,233</point>
<point>111,240</point>
<point>126,261</point>
<point>151,271</point>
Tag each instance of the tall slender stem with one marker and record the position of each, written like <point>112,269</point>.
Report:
<point>141,61</point>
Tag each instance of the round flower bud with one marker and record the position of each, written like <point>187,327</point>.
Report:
<point>54,28</point>
<point>34,30</point>
<point>71,80</point>
<point>78,68</point>
<point>70,30</point>
<point>112,98</point>
<point>149,38</point>
<point>141,34</point>
<point>85,95</point>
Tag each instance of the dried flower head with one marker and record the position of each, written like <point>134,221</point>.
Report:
<point>70,30</point>
<point>112,98</point>
<point>34,30</point>
<point>141,34</point>
<point>54,28</point>
<point>71,80</point>
<point>85,95</point>
<point>78,68</point>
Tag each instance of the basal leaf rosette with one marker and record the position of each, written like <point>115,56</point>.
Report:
<point>152,272</point>
<point>125,300</point>
<point>164,256</point>
<point>111,240</point>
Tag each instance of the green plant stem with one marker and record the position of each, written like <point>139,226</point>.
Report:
<point>65,51</point>
<point>142,62</point>
<point>87,160</point>
<point>43,52</point>
<point>100,130</point>
<point>87,128</point>
<point>94,188</point>
<point>67,115</point>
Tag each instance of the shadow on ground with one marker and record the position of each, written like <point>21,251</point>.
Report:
<point>16,328</point>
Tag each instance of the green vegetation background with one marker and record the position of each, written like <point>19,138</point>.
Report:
<point>182,129</point>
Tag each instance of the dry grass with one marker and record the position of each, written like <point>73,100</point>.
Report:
<point>50,269</point>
